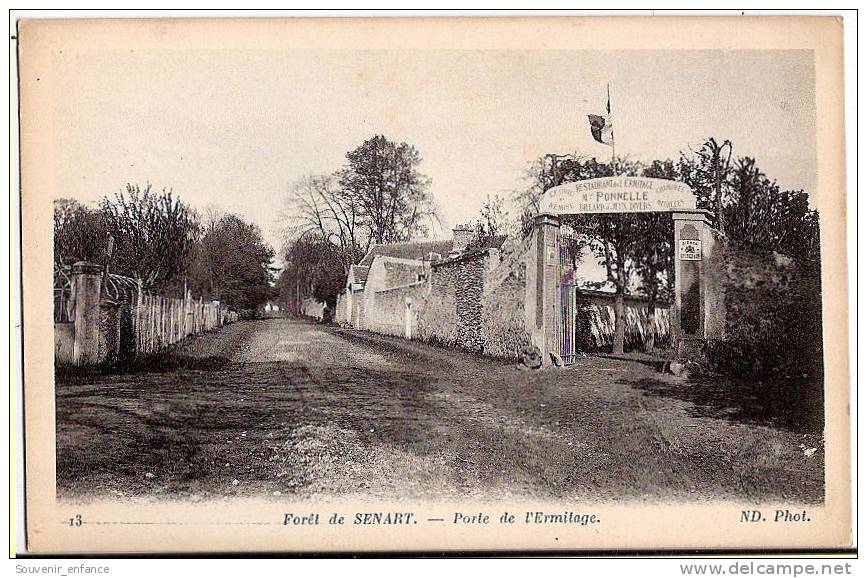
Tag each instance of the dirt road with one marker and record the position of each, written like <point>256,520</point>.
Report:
<point>281,407</point>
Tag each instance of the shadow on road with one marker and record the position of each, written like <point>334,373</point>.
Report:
<point>285,408</point>
<point>758,403</point>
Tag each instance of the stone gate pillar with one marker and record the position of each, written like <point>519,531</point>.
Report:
<point>696,291</point>
<point>86,287</point>
<point>546,296</point>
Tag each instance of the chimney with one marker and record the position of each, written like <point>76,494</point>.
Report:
<point>463,235</point>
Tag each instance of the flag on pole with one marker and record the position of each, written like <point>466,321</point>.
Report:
<point>601,127</point>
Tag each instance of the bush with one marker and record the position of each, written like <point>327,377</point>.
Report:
<point>773,328</point>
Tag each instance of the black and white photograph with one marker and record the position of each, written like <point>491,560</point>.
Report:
<point>292,272</point>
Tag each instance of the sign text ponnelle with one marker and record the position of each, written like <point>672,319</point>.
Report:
<point>617,195</point>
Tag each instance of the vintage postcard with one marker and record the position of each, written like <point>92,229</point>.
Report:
<point>434,284</point>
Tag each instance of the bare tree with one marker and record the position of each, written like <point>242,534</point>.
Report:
<point>318,207</point>
<point>708,176</point>
<point>493,220</point>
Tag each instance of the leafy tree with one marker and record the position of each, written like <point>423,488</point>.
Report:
<point>761,216</point>
<point>628,245</point>
<point>154,235</point>
<point>749,208</point>
<point>653,254</point>
<point>382,179</point>
<point>232,263</point>
<point>79,233</point>
<point>614,238</point>
<point>313,269</point>
<point>544,173</point>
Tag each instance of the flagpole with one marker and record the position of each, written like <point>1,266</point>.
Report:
<point>613,154</point>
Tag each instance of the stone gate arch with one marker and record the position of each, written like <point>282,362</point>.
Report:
<point>695,296</point>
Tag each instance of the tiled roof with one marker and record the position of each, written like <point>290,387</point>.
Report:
<point>476,251</point>
<point>412,250</point>
<point>392,266</point>
<point>359,273</point>
<point>494,242</point>
<point>467,255</point>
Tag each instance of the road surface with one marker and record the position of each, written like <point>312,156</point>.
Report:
<point>282,407</point>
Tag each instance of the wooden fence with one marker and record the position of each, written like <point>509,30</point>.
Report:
<point>596,322</point>
<point>109,318</point>
<point>160,321</point>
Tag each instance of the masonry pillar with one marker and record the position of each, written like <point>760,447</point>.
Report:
<point>86,287</point>
<point>694,289</point>
<point>546,296</point>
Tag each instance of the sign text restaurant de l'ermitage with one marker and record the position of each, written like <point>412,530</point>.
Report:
<point>617,195</point>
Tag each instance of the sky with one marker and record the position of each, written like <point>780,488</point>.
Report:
<point>235,129</point>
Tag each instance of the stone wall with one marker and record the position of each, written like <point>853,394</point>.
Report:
<point>437,316</point>
<point>469,285</point>
<point>750,284</point>
<point>476,302</point>
<point>741,286</point>
<point>771,316</point>
<point>715,267</point>
<point>358,302</point>
<point>452,312</point>
<point>508,307</point>
<point>504,324</point>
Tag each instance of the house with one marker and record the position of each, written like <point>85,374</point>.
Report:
<point>350,303</point>
<point>378,287</point>
<point>386,290</point>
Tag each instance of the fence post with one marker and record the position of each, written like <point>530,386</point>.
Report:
<point>178,313</point>
<point>152,325</point>
<point>161,333</point>
<point>86,287</point>
<point>138,320</point>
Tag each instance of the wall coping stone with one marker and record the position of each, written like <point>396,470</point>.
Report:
<point>86,268</point>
